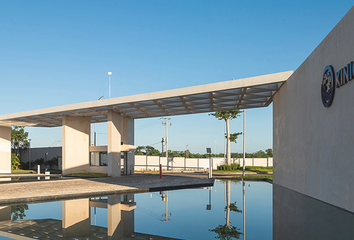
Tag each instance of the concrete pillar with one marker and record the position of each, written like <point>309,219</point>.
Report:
<point>76,218</point>
<point>5,149</point>
<point>128,138</point>
<point>128,216</point>
<point>114,143</point>
<point>76,143</point>
<point>114,217</point>
<point>5,213</point>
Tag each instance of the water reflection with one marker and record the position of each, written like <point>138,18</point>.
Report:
<point>297,216</point>
<point>208,213</point>
<point>228,231</point>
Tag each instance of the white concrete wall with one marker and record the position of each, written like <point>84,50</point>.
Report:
<point>313,145</point>
<point>5,149</point>
<point>98,169</point>
<point>178,164</point>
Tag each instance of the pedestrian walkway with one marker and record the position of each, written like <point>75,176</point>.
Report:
<point>27,192</point>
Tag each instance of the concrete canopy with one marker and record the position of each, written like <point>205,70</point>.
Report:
<point>244,93</point>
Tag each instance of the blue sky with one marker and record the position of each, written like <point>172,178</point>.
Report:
<point>59,52</point>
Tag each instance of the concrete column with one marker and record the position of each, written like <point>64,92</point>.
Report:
<point>76,143</point>
<point>114,143</point>
<point>5,213</point>
<point>128,215</point>
<point>128,138</point>
<point>5,149</point>
<point>76,218</point>
<point>114,215</point>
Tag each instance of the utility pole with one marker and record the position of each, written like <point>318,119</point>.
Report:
<point>244,139</point>
<point>166,138</point>
<point>215,149</point>
<point>187,153</point>
<point>165,199</point>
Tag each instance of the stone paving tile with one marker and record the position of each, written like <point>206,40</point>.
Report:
<point>21,192</point>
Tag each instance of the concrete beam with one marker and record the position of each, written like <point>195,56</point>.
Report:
<point>114,143</point>
<point>76,143</point>
<point>5,149</point>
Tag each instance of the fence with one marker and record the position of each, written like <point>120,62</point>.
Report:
<point>180,163</point>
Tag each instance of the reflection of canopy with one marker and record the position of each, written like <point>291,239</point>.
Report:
<point>52,229</point>
<point>244,93</point>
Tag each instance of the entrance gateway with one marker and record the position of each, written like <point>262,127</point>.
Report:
<point>312,143</point>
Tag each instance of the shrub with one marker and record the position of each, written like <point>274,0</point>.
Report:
<point>232,167</point>
<point>15,162</point>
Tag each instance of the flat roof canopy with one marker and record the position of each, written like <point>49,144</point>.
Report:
<point>243,93</point>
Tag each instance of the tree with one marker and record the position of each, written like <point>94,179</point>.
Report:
<point>234,136</point>
<point>269,152</point>
<point>19,140</point>
<point>227,116</point>
<point>18,211</point>
<point>226,232</point>
<point>15,162</point>
<point>147,150</point>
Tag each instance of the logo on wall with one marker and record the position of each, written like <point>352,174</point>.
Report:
<point>327,86</point>
<point>331,81</point>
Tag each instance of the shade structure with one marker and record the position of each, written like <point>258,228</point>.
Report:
<point>243,93</point>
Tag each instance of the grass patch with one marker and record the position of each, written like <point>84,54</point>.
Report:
<point>87,175</point>
<point>260,169</point>
<point>255,177</point>
<point>22,171</point>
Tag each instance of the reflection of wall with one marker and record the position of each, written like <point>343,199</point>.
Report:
<point>76,218</point>
<point>296,216</point>
<point>313,145</point>
<point>5,213</point>
<point>120,216</point>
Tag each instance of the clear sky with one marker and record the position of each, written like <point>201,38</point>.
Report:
<point>59,52</point>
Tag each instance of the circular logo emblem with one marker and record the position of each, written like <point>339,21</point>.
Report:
<point>328,86</point>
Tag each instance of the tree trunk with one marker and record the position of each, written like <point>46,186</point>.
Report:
<point>228,194</point>
<point>228,150</point>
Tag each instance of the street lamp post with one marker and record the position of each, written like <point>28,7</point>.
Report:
<point>29,153</point>
<point>109,76</point>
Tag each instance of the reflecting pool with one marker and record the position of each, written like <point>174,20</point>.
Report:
<point>228,210</point>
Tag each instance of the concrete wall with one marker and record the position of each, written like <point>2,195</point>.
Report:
<point>313,145</point>
<point>179,163</point>
<point>37,153</point>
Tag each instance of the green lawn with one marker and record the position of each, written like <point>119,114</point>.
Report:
<point>255,177</point>
<point>22,171</point>
<point>260,169</point>
<point>264,170</point>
